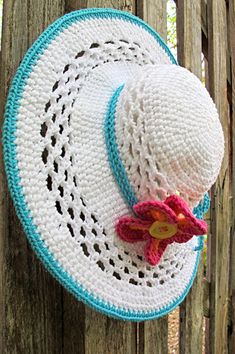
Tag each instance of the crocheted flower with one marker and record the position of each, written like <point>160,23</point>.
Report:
<point>160,223</point>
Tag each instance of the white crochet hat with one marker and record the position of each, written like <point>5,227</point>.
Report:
<point>110,149</point>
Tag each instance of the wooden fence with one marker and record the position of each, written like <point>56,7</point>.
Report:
<point>37,315</point>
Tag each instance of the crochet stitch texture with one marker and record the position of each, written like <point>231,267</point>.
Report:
<point>168,134</point>
<point>58,170</point>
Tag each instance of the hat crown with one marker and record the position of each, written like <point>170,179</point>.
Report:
<point>169,134</point>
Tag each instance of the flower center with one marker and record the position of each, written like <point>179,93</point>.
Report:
<point>162,230</point>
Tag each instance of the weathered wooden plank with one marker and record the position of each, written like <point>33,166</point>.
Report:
<point>31,309</point>
<point>231,331</point>
<point>189,55</point>
<point>125,5</point>
<point>189,35</point>
<point>105,335</point>
<point>154,12</point>
<point>153,334</point>
<point>41,14</point>
<point>191,317</point>
<point>203,16</point>
<point>216,339</point>
<point>204,26</point>
<point>73,322</point>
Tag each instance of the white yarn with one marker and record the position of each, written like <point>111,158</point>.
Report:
<point>169,134</point>
<point>67,182</point>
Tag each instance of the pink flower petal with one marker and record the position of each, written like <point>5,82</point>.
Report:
<point>180,237</point>
<point>195,227</point>
<point>154,251</point>
<point>132,230</point>
<point>177,204</point>
<point>187,222</point>
<point>155,210</point>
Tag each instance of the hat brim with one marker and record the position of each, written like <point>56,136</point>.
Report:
<point>58,172</point>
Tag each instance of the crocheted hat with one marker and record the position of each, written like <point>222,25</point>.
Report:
<point>110,149</point>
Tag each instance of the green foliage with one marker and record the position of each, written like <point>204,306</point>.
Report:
<point>171,25</point>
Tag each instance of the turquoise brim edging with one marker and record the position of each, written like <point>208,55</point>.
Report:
<point>12,170</point>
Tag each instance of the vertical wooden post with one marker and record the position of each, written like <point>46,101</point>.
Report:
<point>153,335</point>
<point>125,5</point>
<point>154,13</point>
<point>30,314</point>
<point>220,212</point>
<point>189,47</point>
<point>231,328</point>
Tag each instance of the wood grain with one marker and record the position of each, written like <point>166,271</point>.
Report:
<point>189,47</point>
<point>125,5</point>
<point>191,317</point>
<point>105,335</point>
<point>216,340</point>
<point>153,336</point>
<point>189,35</point>
<point>154,13</point>
<point>73,325</point>
<point>30,299</point>
<point>231,31</point>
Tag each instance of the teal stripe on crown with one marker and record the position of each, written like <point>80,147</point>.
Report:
<point>115,161</point>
